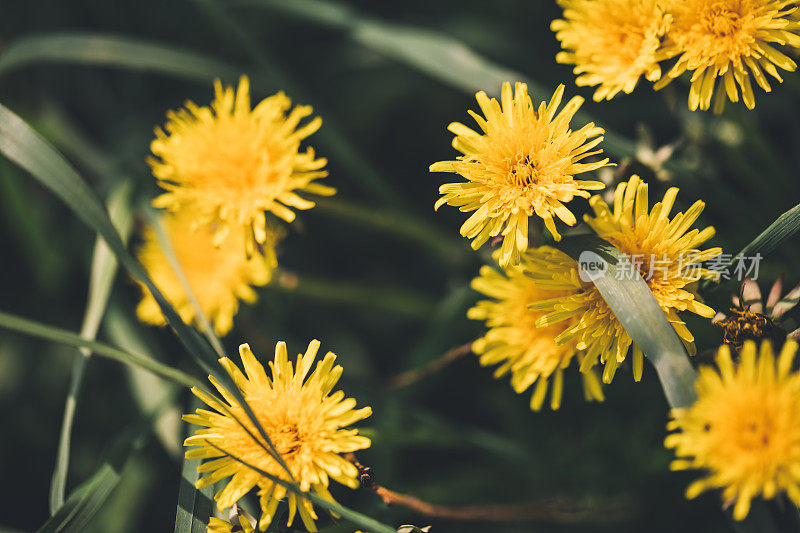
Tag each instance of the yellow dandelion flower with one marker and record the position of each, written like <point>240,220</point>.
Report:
<point>302,419</point>
<point>744,429</point>
<point>233,163</point>
<point>529,353</point>
<point>733,40</point>
<point>522,164</point>
<point>217,525</point>
<point>612,43</point>
<point>663,250</point>
<point>219,276</point>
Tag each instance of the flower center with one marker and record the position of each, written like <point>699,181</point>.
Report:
<point>286,439</point>
<point>522,171</point>
<point>722,20</point>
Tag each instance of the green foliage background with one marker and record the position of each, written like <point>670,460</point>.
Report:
<point>383,281</point>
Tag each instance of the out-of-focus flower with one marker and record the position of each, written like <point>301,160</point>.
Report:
<point>744,429</point>
<point>514,341</point>
<point>612,43</point>
<point>219,276</point>
<point>230,164</point>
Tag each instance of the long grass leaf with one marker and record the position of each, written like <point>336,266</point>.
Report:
<point>634,305</point>
<point>110,50</point>
<point>84,502</point>
<point>36,329</point>
<point>22,145</point>
<point>194,506</point>
<point>438,55</point>
<point>101,278</point>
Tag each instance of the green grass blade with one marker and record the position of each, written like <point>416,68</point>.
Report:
<point>22,145</point>
<point>148,391</point>
<point>785,227</point>
<point>436,54</point>
<point>103,271</point>
<point>637,310</point>
<point>194,506</point>
<point>110,50</point>
<point>36,329</point>
<point>84,502</point>
<point>369,524</point>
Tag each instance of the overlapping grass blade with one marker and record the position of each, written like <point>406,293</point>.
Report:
<point>441,56</point>
<point>194,506</point>
<point>784,228</point>
<point>110,50</point>
<point>369,524</point>
<point>101,278</point>
<point>634,305</point>
<point>36,329</point>
<point>84,502</point>
<point>148,391</point>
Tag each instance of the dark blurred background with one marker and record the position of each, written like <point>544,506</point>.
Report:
<point>385,299</point>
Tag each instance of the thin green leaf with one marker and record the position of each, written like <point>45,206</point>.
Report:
<point>101,278</point>
<point>148,390</point>
<point>440,56</point>
<point>634,305</point>
<point>369,524</point>
<point>111,50</point>
<point>166,247</point>
<point>35,329</point>
<point>22,145</point>
<point>84,502</point>
<point>194,506</point>
<point>785,227</point>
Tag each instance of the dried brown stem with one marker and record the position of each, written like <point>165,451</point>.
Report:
<point>409,377</point>
<point>554,510</point>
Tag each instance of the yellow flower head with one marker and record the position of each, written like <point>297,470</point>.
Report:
<point>217,525</point>
<point>611,42</point>
<point>529,353</point>
<point>732,40</point>
<point>302,419</point>
<point>522,164</point>
<point>744,429</point>
<point>663,250</point>
<point>219,276</point>
<point>232,163</point>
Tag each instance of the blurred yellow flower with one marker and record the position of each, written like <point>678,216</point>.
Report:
<point>522,164</point>
<point>231,163</point>
<point>219,276</point>
<point>529,353</point>
<point>663,251</point>
<point>302,419</point>
<point>733,40</point>
<point>744,429</point>
<point>612,43</point>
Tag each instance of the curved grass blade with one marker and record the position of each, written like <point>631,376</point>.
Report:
<point>440,56</point>
<point>148,390</point>
<point>110,50</point>
<point>194,506</point>
<point>634,305</point>
<point>84,502</point>
<point>785,227</point>
<point>22,145</point>
<point>369,524</point>
<point>36,329</point>
<point>104,269</point>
